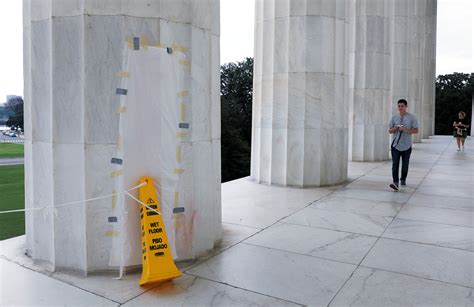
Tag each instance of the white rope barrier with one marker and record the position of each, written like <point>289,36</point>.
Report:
<point>54,207</point>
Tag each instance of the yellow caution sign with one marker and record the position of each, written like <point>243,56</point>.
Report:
<point>157,259</point>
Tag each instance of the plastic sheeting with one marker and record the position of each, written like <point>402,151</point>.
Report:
<point>153,141</point>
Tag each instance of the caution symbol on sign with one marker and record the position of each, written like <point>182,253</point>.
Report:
<point>158,264</point>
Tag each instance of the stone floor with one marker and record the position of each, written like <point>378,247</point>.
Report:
<point>359,244</point>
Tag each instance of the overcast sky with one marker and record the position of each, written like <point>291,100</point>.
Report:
<point>455,43</point>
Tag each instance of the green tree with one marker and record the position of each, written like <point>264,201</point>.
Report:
<point>14,104</point>
<point>236,118</point>
<point>453,94</point>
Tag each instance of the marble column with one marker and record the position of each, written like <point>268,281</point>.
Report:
<point>429,69</point>
<point>369,80</point>
<point>300,128</point>
<point>400,51</point>
<point>73,51</point>
<point>415,60</point>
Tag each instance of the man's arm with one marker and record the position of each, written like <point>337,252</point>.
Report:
<point>391,128</point>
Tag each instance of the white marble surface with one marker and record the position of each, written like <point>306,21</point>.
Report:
<point>322,243</point>
<point>343,221</point>
<point>193,291</point>
<point>438,215</point>
<point>433,262</point>
<point>431,233</point>
<point>41,290</point>
<point>250,204</point>
<point>363,206</point>
<point>381,185</point>
<point>369,287</point>
<point>276,273</point>
<point>233,234</point>
<point>401,197</point>
<point>429,200</point>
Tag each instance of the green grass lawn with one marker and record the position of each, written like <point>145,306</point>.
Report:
<point>12,196</point>
<point>8,150</point>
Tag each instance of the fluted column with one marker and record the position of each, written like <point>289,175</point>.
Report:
<point>415,61</point>
<point>400,52</point>
<point>429,69</point>
<point>369,87</point>
<point>74,55</point>
<point>300,124</point>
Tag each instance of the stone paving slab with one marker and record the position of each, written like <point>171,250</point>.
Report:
<point>371,288</point>
<point>438,263</point>
<point>431,233</point>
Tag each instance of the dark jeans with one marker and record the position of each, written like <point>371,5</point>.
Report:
<point>405,155</point>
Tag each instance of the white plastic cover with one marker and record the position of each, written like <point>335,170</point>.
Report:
<point>153,143</point>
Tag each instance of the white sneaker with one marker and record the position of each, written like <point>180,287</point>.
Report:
<point>459,149</point>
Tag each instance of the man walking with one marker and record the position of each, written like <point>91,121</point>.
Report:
<point>401,126</point>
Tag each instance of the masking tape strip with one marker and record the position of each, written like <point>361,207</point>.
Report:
<point>182,112</point>
<point>178,210</point>
<point>184,125</point>
<point>178,171</point>
<point>123,74</point>
<point>116,161</point>
<point>116,173</point>
<point>136,43</point>
<point>178,153</point>
<point>112,233</point>
<point>121,109</point>
<point>144,42</point>
<point>185,62</point>
<point>179,48</point>
<point>119,142</point>
<point>112,219</point>
<point>160,45</point>
<point>114,199</point>
<point>130,42</point>
<point>181,134</point>
<point>183,94</point>
<point>121,91</point>
<point>176,198</point>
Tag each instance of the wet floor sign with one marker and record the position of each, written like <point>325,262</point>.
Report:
<point>158,264</point>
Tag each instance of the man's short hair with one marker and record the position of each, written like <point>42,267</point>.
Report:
<point>403,101</point>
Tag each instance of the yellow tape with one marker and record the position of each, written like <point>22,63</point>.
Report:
<point>116,173</point>
<point>130,42</point>
<point>111,233</point>
<point>122,109</point>
<point>183,94</point>
<point>182,112</point>
<point>185,62</point>
<point>144,42</point>
<point>119,142</point>
<point>178,171</point>
<point>176,199</point>
<point>181,134</point>
<point>176,47</point>
<point>160,45</point>
<point>114,199</point>
<point>123,74</point>
<point>178,153</point>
